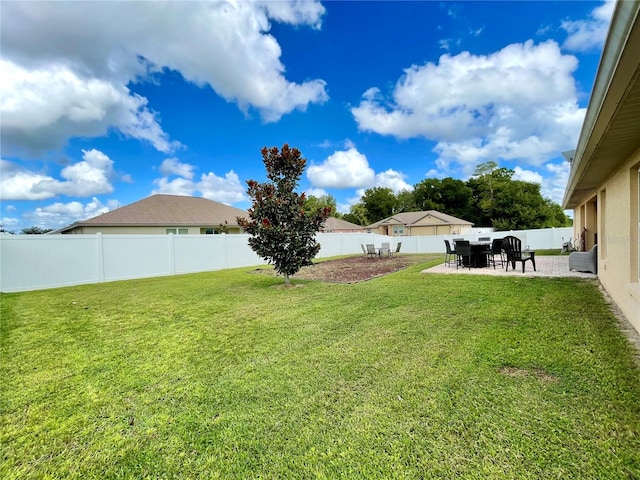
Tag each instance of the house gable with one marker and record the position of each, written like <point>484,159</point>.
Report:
<point>429,222</point>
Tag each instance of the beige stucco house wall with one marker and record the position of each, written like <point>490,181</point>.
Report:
<point>425,223</point>
<point>149,230</point>
<point>612,219</point>
<point>603,187</point>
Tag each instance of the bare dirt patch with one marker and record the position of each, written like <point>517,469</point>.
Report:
<point>353,269</point>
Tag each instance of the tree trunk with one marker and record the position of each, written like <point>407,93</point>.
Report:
<point>286,279</point>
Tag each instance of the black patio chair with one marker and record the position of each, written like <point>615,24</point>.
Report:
<point>397,250</point>
<point>496,251</point>
<point>513,250</point>
<point>449,253</point>
<point>463,250</point>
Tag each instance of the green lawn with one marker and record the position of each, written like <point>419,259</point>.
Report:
<point>230,375</point>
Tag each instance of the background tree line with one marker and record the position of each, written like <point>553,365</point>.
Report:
<point>490,198</point>
<point>35,230</point>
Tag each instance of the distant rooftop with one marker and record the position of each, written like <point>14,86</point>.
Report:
<point>413,218</point>
<point>167,210</point>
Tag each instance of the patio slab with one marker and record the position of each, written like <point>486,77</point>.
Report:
<point>546,265</point>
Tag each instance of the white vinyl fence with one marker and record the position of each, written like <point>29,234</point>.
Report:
<point>34,262</point>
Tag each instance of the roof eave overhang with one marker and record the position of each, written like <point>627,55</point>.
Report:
<point>168,225</point>
<point>610,132</point>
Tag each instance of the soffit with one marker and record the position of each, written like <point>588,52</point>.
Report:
<point>616,130</point>
<point>620,140</point>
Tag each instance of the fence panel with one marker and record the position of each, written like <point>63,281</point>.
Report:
<point>136,256</point>
<point>335,244</point>
<point>195,253</point>
<point>32,262</point>
<point>29,262</point>
<point>238,253</point>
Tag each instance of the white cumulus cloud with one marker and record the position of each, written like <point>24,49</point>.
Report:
<point>552,179</point>
<point>527,175</point>
<point>227,189</point>
<point>296,12</point>
<point>590,33</point>
<point>67,65</point>
<point>342,169</point>
<point>172,166</point>
<point>61,214</point>
<point>175,186</point>
<point>17,183</point>
<point>393,180</point>
<point>315,192</point>
<point>43,107</point>
<point>8,222</point>
<point>517,103</point>
<point>554,185</point>
<point>91,176</point>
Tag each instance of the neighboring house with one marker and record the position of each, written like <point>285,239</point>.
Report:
<point>430,222</point>
<point>337,225</point>
<point>163,214</point>
<point>604,182</point>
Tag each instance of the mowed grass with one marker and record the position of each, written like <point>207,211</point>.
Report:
<point>230,375</point>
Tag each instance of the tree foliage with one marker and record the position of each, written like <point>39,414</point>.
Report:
<point>313,205</point>
<point>379,202</point>
<point>405,201</point>
<point>280,229</point>
<point>507,204</point>
<point>491,197</point>
<point>448,195</point>
<point>4,230</point>
<point>357,214</point>
<point>36,230</point>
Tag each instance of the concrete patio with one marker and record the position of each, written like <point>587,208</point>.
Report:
<point>546,266</point>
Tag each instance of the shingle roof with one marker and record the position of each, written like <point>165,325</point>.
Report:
<point>168,210</point>
<point>412,218</point>
<point>333,223</point>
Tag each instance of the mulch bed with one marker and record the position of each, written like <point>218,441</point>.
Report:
<point>353,269</point>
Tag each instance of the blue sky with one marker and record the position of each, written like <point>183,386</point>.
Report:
<point>105,103</point>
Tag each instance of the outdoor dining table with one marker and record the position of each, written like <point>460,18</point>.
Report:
<point>478,254</point>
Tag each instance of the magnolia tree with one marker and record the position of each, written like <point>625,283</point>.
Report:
<point>280,230</point>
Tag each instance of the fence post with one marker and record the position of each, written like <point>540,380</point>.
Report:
<point>224,250</point>
<point>172,255</point>
<point>100,257</point>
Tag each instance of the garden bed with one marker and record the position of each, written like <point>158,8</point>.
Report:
<point>353,269</point>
